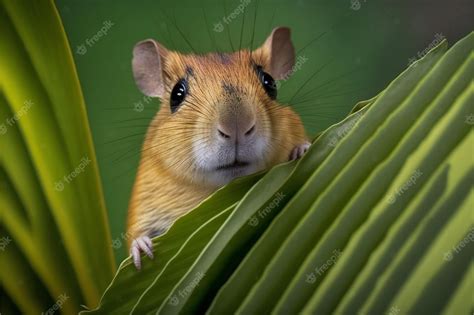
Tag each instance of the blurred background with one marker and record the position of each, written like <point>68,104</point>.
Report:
<point>347,51</point>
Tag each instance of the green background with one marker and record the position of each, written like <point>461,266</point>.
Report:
<point>353,50</point>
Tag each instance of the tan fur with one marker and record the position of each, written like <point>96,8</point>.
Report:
<point>168,184</point>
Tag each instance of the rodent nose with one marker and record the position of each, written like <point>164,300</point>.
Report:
<point>234,134</point>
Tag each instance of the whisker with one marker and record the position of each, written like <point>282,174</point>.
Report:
<point>228,27</point>
<point>211,36</point>
<point>309,80</point>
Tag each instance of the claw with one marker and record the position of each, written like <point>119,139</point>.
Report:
<point>145,247</point>
<point>135,252</point>
<point>299,151</point>
<point>141,244</point>
<point>147,240</point>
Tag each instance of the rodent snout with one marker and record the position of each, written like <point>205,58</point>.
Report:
<point>235,132</point>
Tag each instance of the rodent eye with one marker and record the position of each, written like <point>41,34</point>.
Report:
<point>178,94</point>
<point>268,83</point>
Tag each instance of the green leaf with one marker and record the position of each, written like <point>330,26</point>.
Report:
<point>359,187</point>
<point>54,205</point>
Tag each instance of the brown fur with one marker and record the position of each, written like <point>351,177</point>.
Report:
<point>221,86</point>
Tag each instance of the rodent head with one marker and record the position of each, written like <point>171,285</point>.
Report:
<point>217,115</point>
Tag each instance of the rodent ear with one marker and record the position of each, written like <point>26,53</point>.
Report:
<point>279,48</point>
<point>147,67</point>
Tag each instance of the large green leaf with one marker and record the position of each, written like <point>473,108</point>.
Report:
<point>360,224</point>
<point>359,185</point>
<point>52,205</point>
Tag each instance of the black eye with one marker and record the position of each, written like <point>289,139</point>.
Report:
<point>178,94</point>
<point>268,83</point>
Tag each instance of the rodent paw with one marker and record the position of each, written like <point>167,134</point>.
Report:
<point>142,243</point>
<point>299,151</point>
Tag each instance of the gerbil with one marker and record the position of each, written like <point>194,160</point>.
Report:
<point>218,120</point>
